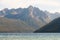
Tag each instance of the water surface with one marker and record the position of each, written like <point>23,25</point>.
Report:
<point>29,36</point>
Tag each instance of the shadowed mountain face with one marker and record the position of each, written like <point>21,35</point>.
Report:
<point>53,27</point>
<point>31,16</point>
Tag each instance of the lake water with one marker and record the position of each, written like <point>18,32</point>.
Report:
<point>29,36</point>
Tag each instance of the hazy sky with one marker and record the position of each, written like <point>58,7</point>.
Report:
<point>49,5</point>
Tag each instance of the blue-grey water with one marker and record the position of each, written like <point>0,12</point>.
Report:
<point>29,36</point>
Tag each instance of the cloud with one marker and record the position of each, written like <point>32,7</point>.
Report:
<point>23,3</point>
<point>51,5</point>
<point>16,3</point>
<point>9,3</point>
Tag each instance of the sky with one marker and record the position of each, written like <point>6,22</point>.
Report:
<point>49,5</point>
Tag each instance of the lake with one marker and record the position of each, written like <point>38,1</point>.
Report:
<point>29,36</point>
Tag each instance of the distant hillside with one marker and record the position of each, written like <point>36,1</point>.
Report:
<point>13,25</point>
<point>53,27</point>
<point>53,15</point>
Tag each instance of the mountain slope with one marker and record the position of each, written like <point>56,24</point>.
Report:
<point>53,26</point>
<point>13,25</point>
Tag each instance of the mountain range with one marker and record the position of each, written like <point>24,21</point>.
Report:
<point>24,19</point>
